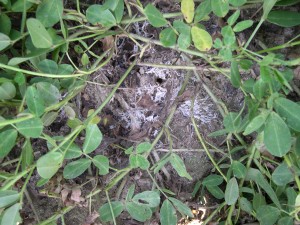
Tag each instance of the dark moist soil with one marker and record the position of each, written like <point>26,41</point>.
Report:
<point>137,113</point>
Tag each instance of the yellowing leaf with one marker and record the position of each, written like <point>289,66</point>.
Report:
<point>188,10</point>
<point>202,39</point>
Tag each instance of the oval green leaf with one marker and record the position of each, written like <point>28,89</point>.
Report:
<point>8,197</point>
<point>201,38</point>
<point>76,168</point>
<point>167,214</point>
<point>49,164</point>
<point>138,212</point>
<point>231,192</point>
<point>102,163</point>
<point>290,111</point>
<point>168,37</point>
<point>4,41</point>
<point>282,175</point>
<point>220,7</point>
<point>100,14</point>
<point>39,35</point>
<point>49,12</point>
<point>154,16</point>
<point>277,136</point>
<point>105,211</point>
<point>7,91</point>
<point>7,141</point>
<point>284,18</point>
<point>243,25</point>
<point>93,138</point>
<point>31,128</point>
<point>188,10</point>
<point>147,198</point>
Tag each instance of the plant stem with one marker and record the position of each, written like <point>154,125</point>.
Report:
<point>143,18</point>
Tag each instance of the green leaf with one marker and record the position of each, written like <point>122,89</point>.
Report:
<point>238,169</point>
<point>267,215</point>
<point>48,66</point>
<point>11,216</point>
<point>139,161</point>
<point>7,141</point>
<point>179,166</point>
<point>154,16</point>
<point>138,212</point>
<point>265,73</point>
<point>201,38</point>
<point>220,7</point>
<point>39,35</point>
<point>5,24</point>
<point>85,59</point>
<point>7,91</point>
<point>72,152</point>
<point>287,2</point>
<point>167,214</point>
<point>119,11</point>
<point>93,138</point>
<point>188,10</point>
<point>229,38</point>
<point>243,25</point>
<point>102,163</point>
<point>215,191</point>
<point>111,4</point>
<point>245,205</point>
<point>237,3</point>
<point>258,201</point>
<point>100,14</point>
<point>49,118</point>
<point>184,41</point>
<point>260,89</point>
<point>232,122</point>
<point>31,128</point>
<point>76,168</point>
<point>290,111</point>
<point>32,55</point>
<point>277,136</point>
<point>287,220</point>
<point>49,164</point>
<point>49,93</point>
<point>267,7</point>
<point>297,146</point>
<point>27,155</point>
<point>255,124</point>
<point>8,197</point>
<point>282,175</point>
<point>34,101</point>
<point>233,18</point>
<point>49,12</point>
<point>147,198</point>
<point>130,193</point>
<point>231,192</point>
<point>4,41</point>
<point>255,175</point>
<point>181,207</point>
<point>202,11</point>
<point>143,147</point>
<point>106,214</point>
<point>212,180</point>
<point>235,76</point>
<point>168,37</point>
<point>18,6</point>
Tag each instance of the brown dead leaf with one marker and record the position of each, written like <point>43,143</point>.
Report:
<point>297,73</point>
<point>76,195</point>
<point>108,43</point>
<point>64,194</point>
<point>91,218</point>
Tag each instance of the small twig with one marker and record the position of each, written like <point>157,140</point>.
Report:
<point>32,206</point>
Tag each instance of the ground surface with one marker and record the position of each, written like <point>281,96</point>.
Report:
<point>137,113</point>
